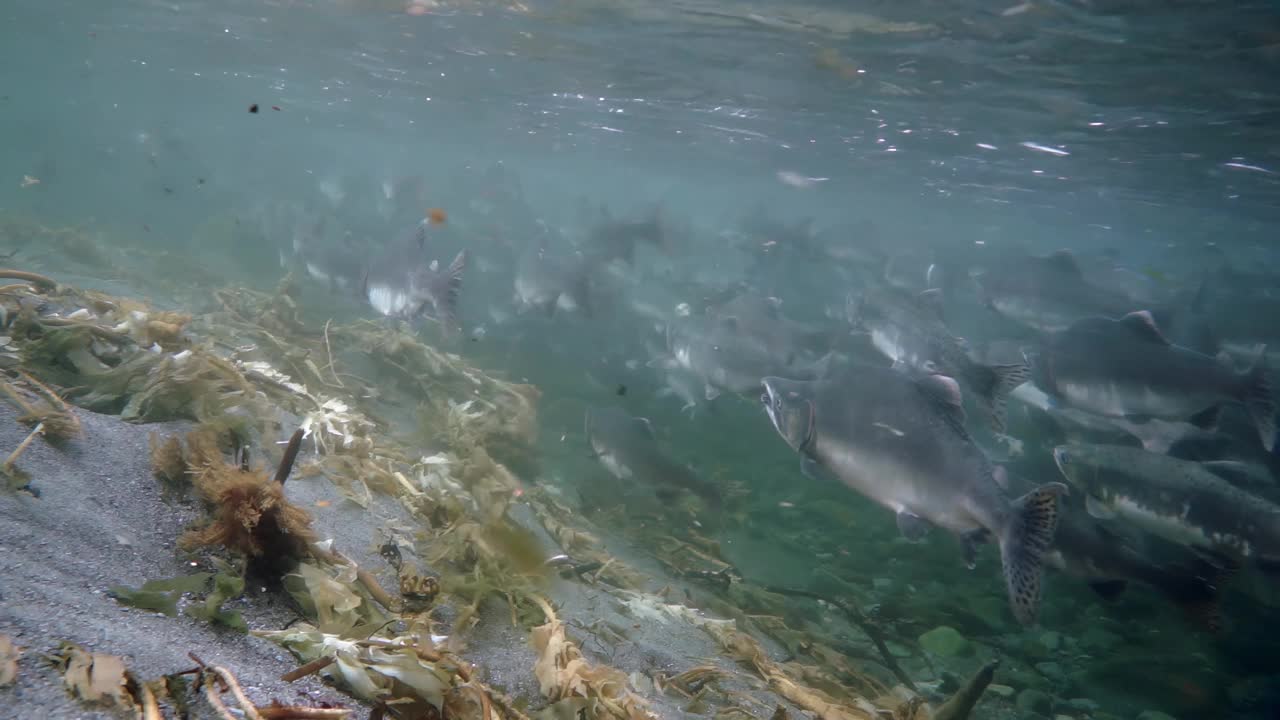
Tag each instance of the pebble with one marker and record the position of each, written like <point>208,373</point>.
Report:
<point>1051,670</point>
<point>1051,640</point>
<point>1003,691</point>
<point>945,641</point>
<point>1083,704</point>
<point>1034,701</point>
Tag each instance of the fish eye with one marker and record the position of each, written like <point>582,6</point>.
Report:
<point>1063,457</point>
<point>764,398</point>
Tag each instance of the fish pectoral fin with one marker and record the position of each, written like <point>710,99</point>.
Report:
<point>913,527</point>
<point>1269,564</point>
<point>1097,509</point>
<point>969,543</point>
<point>810,468</point>
<point>1108,589</point>
<point>664,362</point>
<point>1207,419</point>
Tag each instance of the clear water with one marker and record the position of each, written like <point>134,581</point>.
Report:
<point>1135,131</point>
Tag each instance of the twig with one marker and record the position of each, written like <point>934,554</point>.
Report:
<point>35,278</point>
<point>295,712</point>
<point>290,454</point>
<point>150,706</point>
<point>505,705</point>
<point>49,394</point>
<point>486,707</point>
<point>213,695</point>
<point>250,711</point>
<point>215,699</point>
<point>960,705</point>
<point>364,576</point>
<point>13,456</point>
<point>329,351</point>
<point>858,618</point>
<point>310,668</point>
<point>17,399</point>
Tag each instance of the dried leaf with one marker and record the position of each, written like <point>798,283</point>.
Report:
<point>563,673</point>
<point>96,678</point>
<point>321,596</point>
<point>372,669</point>
<point>9,654</point>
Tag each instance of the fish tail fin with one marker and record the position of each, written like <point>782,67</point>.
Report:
<point>991,387</point>
<point>1259,399</point>
<point>580,293</point>
<point>446,287</point>
<point>1197,591</point>
<point>825,366</point>
<point>1033,521</point>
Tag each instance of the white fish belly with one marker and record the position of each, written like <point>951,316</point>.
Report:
<point>388,301</point>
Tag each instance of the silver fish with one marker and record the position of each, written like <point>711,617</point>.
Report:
<point>900,441</point>
<point>628,448</point>
<point>1126,368</point>
<point>909,328</point>
<point>403,280</point>
<point>1178,500</point>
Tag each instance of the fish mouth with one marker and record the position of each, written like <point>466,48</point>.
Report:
<point>1062,458</point>
<point>767,398</point>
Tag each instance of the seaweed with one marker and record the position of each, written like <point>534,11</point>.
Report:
<point>160,595</point>
<point>226,586</point>
<point>168,462</point>
<point>250,514</point>
<point>580,544</point>
<point>48,411</point>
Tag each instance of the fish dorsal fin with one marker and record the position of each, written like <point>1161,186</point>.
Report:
<point>645,426</point>
<point>1143,325</point>
<point>1064,261</point>
<point>1001,476</point>
<point>931,300</point>
<point>946,391</point>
